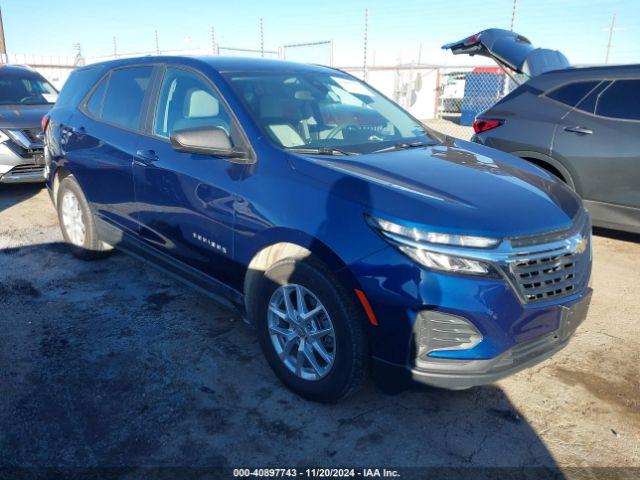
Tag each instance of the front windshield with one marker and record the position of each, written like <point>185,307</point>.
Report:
<point>318,111</point>
<point>15,90</point>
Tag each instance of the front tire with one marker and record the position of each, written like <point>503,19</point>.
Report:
<point>310,331</point>
<point>77,222</point>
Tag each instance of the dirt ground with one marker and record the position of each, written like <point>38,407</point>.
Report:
<point>111,363</point>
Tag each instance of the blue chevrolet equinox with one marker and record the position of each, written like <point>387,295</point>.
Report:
<point>351,236</point>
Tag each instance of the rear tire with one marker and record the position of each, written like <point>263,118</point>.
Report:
<point>77,223</point>
<point>333,341</point>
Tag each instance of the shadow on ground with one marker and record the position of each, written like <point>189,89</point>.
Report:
<point>11,195</point>
<point>617,235</point>
<point>111,364</point>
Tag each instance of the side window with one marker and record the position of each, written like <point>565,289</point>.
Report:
<point>124,96</point>
<point>94,105</point>
<point>572,93</point>
<point>186,100</point>
<point>620,100</point>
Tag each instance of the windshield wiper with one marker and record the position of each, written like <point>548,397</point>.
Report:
<point>322,151</point>
<point>404,145</point>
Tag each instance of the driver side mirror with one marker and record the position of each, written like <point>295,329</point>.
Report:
<point>206,141</point>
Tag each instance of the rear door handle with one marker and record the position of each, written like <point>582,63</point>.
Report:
<point>579,130</point>
<point>145,158</point>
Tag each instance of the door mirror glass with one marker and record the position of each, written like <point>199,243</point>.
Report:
<point>205,140</point>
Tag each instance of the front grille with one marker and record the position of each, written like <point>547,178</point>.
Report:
<point>33,134</point>
<point>547,277</point>
<point>22,169</point>
<point>553,270</point>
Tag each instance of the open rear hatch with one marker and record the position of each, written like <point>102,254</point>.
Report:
<point>510,50</point>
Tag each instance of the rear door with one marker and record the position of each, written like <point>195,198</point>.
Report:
<point>600,141</point>
<point>186,201</point>
<point>101,141</point>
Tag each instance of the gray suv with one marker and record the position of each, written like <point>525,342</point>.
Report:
<point>25,97</point>
<point>581,124</point>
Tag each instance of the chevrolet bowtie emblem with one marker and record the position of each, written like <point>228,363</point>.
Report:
<point>582,245</point>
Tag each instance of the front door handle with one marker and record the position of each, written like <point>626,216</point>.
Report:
<point>144,158</point>
<point>578,130</point>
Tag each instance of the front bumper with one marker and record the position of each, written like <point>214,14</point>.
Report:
<point>21,166</point>
<point>454,374</point>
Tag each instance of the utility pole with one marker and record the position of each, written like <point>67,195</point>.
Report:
<point>157,43</point>
<point>513,14</point>
<point>214,49</point>
<point>261,38</point>
<point>611,29</point>
<point>115,47</point>
<point>3,44</point>
<point>366,39</point>
<point>78,48</point>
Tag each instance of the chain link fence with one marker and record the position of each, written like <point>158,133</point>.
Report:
<point>445,98</point>
<point>462,94</point>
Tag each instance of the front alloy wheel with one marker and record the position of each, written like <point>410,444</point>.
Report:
<point>301,332</point>
<point>310,329</point>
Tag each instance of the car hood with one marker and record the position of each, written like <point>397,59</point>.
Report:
<point>510,50</point>
<point>456,187</point>
<point>22,116</point>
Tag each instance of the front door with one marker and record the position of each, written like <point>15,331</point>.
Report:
<point>185,201</point>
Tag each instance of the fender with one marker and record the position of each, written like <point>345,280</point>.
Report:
<point>281,236</point>
<point>275,235</point>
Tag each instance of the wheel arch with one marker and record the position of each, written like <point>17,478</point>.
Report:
<point>281,243</point>
<point>60,174</point>
<point>549,164</point>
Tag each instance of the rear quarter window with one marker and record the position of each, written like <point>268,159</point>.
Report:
<point>588,104</point>
<point>77,86</point>
<point>572,93</point>
<point>94,105</point>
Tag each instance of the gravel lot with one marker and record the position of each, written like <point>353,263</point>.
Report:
<point>113,364</point>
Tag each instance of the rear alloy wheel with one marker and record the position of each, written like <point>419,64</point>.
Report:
<point>310,330</point>
<point>77,222</point>
<point>71,216</point>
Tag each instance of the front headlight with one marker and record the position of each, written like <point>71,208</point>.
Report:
<point>415,243</point>
<point>433,237</point>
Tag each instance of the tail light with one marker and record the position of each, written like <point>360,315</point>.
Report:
<point>471,40</point>
<point>45,122</point>
<point>482,125</point>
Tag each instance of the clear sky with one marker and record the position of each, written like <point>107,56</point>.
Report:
<point>579,28</point>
